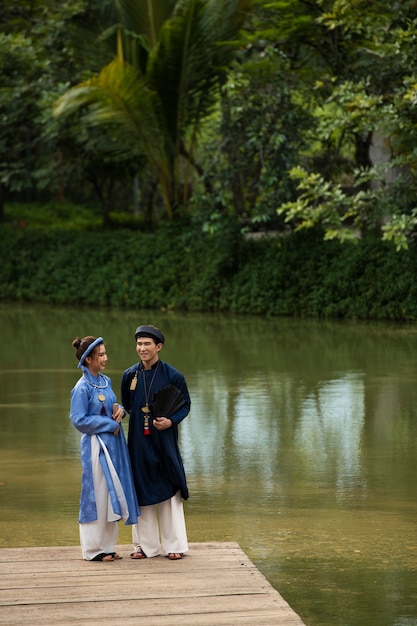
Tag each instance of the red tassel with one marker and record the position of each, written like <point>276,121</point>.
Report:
<point>146,430</point>
<point>103,410</point>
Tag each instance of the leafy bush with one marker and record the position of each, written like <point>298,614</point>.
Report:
<point>178,268</point>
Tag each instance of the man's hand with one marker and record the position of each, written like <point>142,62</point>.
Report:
<point>162,423</point>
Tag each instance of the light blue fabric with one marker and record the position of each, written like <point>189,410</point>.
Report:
<point>85,414</point>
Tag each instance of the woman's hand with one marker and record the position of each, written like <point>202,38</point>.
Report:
<point>118,413</point>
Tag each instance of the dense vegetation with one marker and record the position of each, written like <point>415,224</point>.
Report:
<point>180,267</point>
<point>185,126</point>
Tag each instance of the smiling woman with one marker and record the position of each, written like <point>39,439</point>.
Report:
<point>300,445</point>
<point>107,494</point>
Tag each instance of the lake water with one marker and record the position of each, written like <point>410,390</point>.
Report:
<point>301,446</point>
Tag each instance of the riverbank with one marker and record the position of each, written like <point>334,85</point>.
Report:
<point>179,267</point>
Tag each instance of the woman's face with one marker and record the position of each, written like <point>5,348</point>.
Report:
<point>97,361</point>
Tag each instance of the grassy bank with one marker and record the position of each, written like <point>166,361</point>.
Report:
<point>179,267</point>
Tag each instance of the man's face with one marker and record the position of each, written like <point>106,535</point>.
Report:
<point>147,350</point>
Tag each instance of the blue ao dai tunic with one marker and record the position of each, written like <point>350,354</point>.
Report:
<point>85,414</point>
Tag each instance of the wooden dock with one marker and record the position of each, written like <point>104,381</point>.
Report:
<point>215,584</point>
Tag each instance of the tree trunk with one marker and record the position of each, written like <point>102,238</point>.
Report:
<point>380,154</point>
<point>1,203</point>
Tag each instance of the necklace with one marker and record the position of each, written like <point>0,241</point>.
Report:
<point>100,396</point>
<point>106,382</point>
<point>145,409</point>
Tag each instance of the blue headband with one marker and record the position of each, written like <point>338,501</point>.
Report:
<point>89,349</point>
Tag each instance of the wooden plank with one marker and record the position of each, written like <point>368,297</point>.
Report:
<point>215,583</point>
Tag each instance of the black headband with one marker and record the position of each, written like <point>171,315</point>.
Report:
<point>150,331</point>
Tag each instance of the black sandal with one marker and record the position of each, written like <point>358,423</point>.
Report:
<point>102,557</point>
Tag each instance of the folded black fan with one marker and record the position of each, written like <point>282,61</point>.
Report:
<point>167,401</point>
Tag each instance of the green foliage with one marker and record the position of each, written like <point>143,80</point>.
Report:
<point>23,76</point>
<point>157,101</point>
<point>328,88</point>
<point>43,48</point>
<point>322,203</point>
<point>52,216</point>
<point>179,268</point>
<point>302,275</point>
<point>252,142</point>
<point>362,147</point>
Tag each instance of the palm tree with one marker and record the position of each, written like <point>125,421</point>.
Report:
<point>171,58</point>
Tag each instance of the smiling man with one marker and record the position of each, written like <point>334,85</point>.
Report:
<point>157,466</point>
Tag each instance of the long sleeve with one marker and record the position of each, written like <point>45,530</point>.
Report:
<point>82,402</point>
<point>157,465</point>
<point>98,441</point>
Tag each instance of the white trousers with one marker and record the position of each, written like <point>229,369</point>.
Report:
<point>100,535</point>
<point>161,528</point>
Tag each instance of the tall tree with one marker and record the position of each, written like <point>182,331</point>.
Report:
<point>360,171</point>
<point>163,82</point>
<point>42,49</point>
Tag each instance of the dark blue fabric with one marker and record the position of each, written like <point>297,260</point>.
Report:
<point>158,470</point>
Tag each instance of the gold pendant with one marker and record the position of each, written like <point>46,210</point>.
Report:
<point>133,382</point>
<point>101,397</point>
<point>145,409</point>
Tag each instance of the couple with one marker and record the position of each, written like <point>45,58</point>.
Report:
<point>148,472</point>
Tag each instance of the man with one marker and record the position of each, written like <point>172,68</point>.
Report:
<point>157,467</point>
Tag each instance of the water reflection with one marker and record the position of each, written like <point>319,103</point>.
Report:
<point>330,433</point>
<point>301,446</point>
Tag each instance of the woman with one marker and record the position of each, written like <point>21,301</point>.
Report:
<point>107,491</point>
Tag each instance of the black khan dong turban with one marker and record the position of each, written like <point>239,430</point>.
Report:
<point>150,331</point>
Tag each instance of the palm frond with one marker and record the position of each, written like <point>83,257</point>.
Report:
<point>194,49</point>
<point>145,17</point>
<point>118,97</point>
<point>170,84</point>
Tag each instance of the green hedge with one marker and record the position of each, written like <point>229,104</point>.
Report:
<point>178,268</point>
